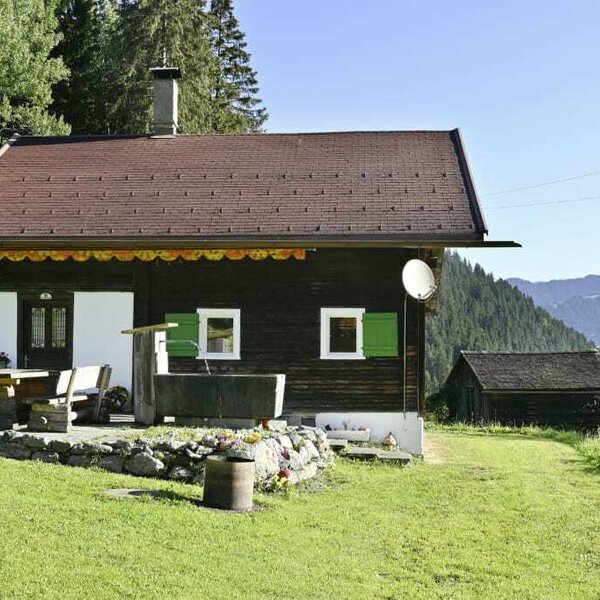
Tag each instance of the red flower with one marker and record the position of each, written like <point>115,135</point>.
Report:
<point>285,473</point>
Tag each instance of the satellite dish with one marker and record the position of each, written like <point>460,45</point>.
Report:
<point>418,279</point>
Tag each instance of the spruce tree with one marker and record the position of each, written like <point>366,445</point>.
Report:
<point>27,72</point>
<point>85,98</point>
<point>157,32</point>
<point>235,87</point>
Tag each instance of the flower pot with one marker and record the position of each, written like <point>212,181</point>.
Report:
<point>4,363</point>
<point>229,483</point>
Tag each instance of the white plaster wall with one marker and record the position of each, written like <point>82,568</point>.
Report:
<point>8,325</point>
<point>407,431</point>
<point>98,318</point>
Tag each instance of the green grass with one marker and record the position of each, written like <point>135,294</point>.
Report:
<point>486,516</point>
<point>587,444</point>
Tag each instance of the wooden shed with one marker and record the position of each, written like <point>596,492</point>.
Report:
<point>560,389</point>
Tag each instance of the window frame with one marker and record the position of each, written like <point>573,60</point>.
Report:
<point>218,313</point>
<point>340,312</point>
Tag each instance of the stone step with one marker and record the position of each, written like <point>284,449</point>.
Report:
<point>336,444</point>
<point>367,453</point>
<point>352,435</point>
<point>394,456</point>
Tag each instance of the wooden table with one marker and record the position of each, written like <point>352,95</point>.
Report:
<point>9,378</point>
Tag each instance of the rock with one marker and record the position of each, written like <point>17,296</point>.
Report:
<point>180,474</point>
<point>144,464</point>
<point>199,478</point>
<point>192,445</point>
<point>307,472</point>
<point>45,456</point>
<point>313,453</point>
<point>170,446</point>
<point>120,446</point>
<point>90,448</point>
<point>267,461</point>
<point>294,460</point>
<point>112,463</point>
<point>210,441</point>
<point>80,460</point>
<point>304,455</point>
<point>295,439</point>
<point>17,451</point>
<point>34,442</point>
<point>309,434</point>
<point>138,448</point>
<point>16,438</point>
<point>60,446</point>
<point>285,441</point>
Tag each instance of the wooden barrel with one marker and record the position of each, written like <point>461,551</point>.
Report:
<point>229,483</point>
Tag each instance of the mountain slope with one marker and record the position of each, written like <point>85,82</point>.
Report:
<point>574,301</point>
<point>477,312</point>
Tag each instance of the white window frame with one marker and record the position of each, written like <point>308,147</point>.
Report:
<point>329,313</point>
<point>219,313</point>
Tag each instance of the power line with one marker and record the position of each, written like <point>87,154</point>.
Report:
<point>542,184</point>
<point>566,201</point>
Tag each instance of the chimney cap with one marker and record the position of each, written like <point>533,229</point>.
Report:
<point>166,72</point>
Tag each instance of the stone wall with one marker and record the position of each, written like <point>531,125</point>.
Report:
<point>295,454</point>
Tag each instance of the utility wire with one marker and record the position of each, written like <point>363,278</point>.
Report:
<point>567,201</point>
<point>537,185</point>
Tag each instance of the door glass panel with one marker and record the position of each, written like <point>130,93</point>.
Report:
<point>59,327</point>
<point>220,335</point>
<point>38,327</point>
<point>342,334</point>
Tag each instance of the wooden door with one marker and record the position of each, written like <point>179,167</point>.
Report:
<point>46,333</point>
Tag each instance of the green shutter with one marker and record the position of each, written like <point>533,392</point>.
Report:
<point>380,334</point>
<point>179,338</point>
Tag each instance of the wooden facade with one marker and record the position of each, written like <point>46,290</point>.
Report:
<point>280,304</point>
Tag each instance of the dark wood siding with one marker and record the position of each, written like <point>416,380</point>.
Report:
<point>556,409</point>
<point>280,304</point>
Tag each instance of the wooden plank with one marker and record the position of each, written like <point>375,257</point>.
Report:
<point>150,328</point>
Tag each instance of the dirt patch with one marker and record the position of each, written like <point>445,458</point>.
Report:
<point>433,449</point>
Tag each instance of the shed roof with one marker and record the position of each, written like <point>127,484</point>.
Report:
<point>535,371</point>
<point>394,186</point>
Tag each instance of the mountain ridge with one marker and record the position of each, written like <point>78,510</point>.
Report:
<point>575,301</point>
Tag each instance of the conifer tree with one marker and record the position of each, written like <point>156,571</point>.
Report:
<point>478,312</point>
<point>235,87</point>
<point>85,98</point>
<point>170,32</point>
<point>27,72</point>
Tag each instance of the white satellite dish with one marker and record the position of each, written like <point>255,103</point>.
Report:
<point>418,279</point>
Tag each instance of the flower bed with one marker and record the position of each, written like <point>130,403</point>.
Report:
<point>282,457</point>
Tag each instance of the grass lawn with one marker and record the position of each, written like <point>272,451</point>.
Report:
<point>494,516</point>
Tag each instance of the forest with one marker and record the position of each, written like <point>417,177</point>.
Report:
<point>81,66</point>
<point>478,312</point>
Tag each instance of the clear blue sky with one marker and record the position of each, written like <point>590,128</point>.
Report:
<point>520,78</point>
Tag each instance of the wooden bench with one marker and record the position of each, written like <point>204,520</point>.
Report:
<point>77,395</point>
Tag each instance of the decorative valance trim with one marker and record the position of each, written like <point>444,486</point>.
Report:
<point>149,254</point>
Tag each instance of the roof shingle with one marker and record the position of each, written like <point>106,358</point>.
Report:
<point>378,185</point>
<point>527,371</point>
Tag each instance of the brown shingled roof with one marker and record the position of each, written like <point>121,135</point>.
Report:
<point>539,371</point>
<point>332,186</point>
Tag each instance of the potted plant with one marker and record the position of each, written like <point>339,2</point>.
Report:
<point>4,360</point>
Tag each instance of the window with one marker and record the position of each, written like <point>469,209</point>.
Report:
<point>342,333</point>
<point>219,333</point>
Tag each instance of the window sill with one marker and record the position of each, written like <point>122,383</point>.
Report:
<point>342,356</point>
<point>218,357</point>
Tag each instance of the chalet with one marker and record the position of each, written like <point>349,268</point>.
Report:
<point>275,253</point>
<point>560,389</point>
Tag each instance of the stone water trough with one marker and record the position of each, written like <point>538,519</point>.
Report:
<point>219,396</point>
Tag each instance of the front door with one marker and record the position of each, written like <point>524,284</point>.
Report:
<point>46,332</point>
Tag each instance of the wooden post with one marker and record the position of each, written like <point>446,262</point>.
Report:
<point>149,357</point>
